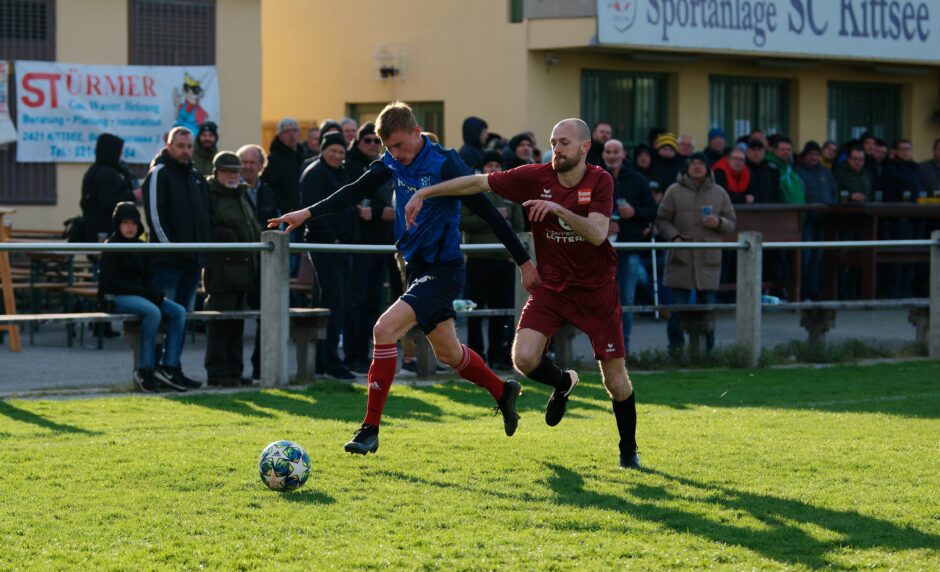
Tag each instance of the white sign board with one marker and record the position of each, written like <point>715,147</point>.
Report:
<point>854,29</point>
<point>62,108</point>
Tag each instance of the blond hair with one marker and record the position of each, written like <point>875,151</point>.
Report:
<point>397,116</point>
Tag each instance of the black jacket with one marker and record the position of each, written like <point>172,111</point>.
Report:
<point>283,175</point>
<point>633,187</point>
<point>664,172</point>
<point>126,273</point>
<point>176,200</point>
<point>264,204</point>
<point>105,184</point>
<point>472,150</point>
<point>375,231</point>
<point>898,176</point>
<point>764,183</point>
<point>595,155</point>
<point>318,182</point>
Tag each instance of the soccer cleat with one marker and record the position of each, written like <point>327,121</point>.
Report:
<point>507,406</point>
<point>630,460</point>
<point>145,381</point>
<point>173,377</point>
<point>558,402</point>
<point>365,440</point>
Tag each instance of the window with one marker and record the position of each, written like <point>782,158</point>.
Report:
<point>171,32</point>
<point>516,11</point>
<point>858,107</point>
<point>633,103</point>
<point>27,32</point>
<point>739,105</point>
<point>430,114</point>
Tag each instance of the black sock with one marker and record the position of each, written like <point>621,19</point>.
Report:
<point>625,414</point>
<point>550,374</point>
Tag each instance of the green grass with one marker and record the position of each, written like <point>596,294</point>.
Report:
<point>767,469</point>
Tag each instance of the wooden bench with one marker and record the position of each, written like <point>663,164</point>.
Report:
<point>307,326</point>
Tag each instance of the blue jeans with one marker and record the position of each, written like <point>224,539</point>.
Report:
<point>150,316</point>
<point>177,283</point>
<point>673,328</point>
<point>628,275</point>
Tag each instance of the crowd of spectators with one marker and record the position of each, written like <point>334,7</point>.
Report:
<point>666,189</point>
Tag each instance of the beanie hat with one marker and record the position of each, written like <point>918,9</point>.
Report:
<point>332,138</point>
<point>698,156</point>
<point>328,126</point>
<point>666,139</point>
<point>226,160</point>
<point>364,130</point>
<point>208,126</point>
<point>491,156</point>
<point>716,132</point>
<point>518,139</point>
<point>810,147</point>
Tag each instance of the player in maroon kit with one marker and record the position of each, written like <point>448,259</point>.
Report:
<point>569,204</point>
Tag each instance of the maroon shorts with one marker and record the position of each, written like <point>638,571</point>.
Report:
<point>597,313</point>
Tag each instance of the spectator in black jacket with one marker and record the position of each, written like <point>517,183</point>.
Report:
<point>763,184</point>
<point>333,269</point>
<point>176,200</point>
<point>475,134</point>
<point>369,271</point>
<point>634,210</point>
<point>105,184</point>
<point>666,164</point>
<point>284,165</point>
<point>900,182</point>
<point>125,280</point>
<point>519,151</point>
<point>601,134</point>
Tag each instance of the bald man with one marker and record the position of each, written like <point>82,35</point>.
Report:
<point>569,204</point>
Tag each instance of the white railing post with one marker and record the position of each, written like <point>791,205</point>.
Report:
<point>275,308</point>
<point>748,299</point>
<point>933,335</point>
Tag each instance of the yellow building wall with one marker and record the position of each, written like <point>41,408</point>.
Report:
<point>465,54</point>
<point>80,25</point>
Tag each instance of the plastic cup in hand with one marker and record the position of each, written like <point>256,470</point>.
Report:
<point>706,210</point>
<point>844,196</point>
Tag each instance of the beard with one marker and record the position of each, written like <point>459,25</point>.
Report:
<point>565,164</point>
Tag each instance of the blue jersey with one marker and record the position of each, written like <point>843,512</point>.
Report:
<point>435,236</point>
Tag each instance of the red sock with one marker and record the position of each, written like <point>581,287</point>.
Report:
<point>472,368</point>
<point>381,374</point>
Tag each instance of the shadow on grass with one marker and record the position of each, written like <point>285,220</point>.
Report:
<point>905,389</point>
<point>782,539</point>
<point>308,496</point>
<point>534,395</point>
<point>336,401</point>
<point>24,416</point>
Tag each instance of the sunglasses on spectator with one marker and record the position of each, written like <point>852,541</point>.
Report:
<point>371,140</point>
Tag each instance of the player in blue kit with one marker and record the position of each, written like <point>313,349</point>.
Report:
<point>435,267</point>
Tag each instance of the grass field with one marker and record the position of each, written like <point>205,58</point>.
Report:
<point>796,468</point>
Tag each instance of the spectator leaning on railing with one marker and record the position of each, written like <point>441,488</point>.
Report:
<point>852,176</point>
<point>694,209</point>
<point>125,280</point>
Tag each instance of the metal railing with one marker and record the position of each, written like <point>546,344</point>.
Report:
<point>275,251</point>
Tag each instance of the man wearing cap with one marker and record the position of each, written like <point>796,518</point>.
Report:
<point>230,277</point>
<point>716,144</point>
<point>207,139</point>
<point>666,163</point>
<point>694,209</point>
<point>333,269</point>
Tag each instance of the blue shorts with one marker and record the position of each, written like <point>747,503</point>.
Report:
<point>432,290</point>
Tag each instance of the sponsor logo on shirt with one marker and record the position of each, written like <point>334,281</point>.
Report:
<point>546,193</point>
<point>584,196</point>
<point>564,237</point>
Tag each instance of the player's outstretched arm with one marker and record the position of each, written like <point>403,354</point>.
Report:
<point>344,197</point>
<point>460,186</point>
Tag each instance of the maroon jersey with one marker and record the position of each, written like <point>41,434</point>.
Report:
<point>565,259</point>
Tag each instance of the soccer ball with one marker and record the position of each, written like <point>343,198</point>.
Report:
<point>284,466</point>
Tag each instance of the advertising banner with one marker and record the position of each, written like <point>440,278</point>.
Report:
<point>7,130</point>
<point>907,30</point>
<point>62,108</point>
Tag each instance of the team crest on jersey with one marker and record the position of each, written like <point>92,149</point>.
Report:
<point>425,181</point>
<point>584,196</point>
<point>546,193</point>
